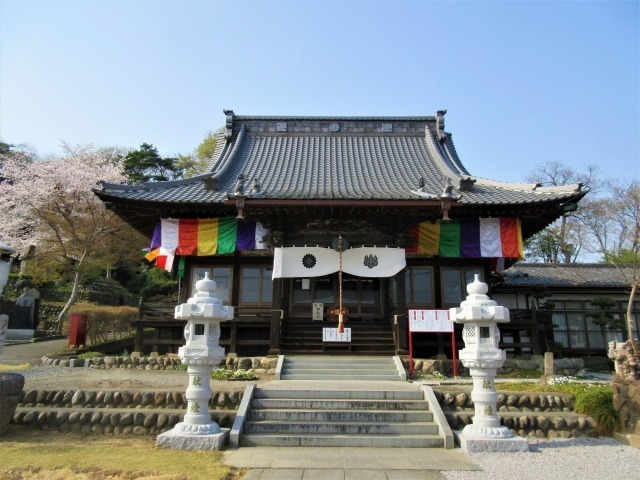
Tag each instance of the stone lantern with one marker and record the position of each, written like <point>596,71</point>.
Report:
<point>5,252</point>
<point>203,313</point>
<point>480,316</point>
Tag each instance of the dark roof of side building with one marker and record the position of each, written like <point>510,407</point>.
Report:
<point>575,275</point>
<point>339,158</point>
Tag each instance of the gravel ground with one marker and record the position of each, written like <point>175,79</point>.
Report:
<point>76,378</point>
<point>580,458</point>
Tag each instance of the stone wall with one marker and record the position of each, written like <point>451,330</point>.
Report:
<point>122,399</point>
<point>115,412</point>
<point>101,422</point>
<point>626,401</point>
<point>533,414</point>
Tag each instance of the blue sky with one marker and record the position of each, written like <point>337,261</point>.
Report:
<point>523,82</point>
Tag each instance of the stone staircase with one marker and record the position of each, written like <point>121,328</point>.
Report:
<point>374,337</point>
<point>339,368</point>
<point>345,402</point>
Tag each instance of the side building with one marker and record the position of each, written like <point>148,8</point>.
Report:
<point>374,214</point>
<point>563,303</point>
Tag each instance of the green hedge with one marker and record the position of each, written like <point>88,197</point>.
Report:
<point>103,320</point>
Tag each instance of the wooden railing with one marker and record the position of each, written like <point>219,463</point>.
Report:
<point>246,335</point>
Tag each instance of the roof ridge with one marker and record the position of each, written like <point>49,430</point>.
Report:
<point>435,149</point>
<point>225,163</point>
<point>219,152</point>
<point>334,117</point>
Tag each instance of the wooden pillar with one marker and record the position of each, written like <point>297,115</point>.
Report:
<point>440,340</point>
<point>402,327</point>
<point>276,313</point>
<point>233,339</point>
<point>139,338</point>
<point>138,348</point>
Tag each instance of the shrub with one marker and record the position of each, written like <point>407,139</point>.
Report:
<point>103,320</point>
<point>91,355</point>
<point>224,374</point>
<point>598,403</point>
<point>159,283</point>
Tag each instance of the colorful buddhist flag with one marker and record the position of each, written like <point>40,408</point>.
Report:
<point>207,236</point>
<point>203,237</point>
<point>469,238</point>
<point>187,236</point>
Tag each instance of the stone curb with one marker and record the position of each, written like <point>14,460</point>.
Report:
<point>257,364</point>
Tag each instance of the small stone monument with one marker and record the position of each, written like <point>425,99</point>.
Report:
<point>24,320</point>
<point>481,355</point>
<point>203,313</point>
<point>5,252</point>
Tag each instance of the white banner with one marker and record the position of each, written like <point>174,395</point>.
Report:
<point>373,261</point>
<point>303,262</point>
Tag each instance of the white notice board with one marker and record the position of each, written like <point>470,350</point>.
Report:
<point>430,321</point>
<point>332,335</point>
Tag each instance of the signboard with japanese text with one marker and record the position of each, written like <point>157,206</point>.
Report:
<point>430,321</point>
<point>332,335</point>
<point>317,312</point>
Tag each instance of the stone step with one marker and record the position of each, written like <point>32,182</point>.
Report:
<point>304,349</point>
<point>348,371</point>
<point>316,359</point>
<point>342,428</point>
<point>302,415</point>
<point>340,377</point>
<point>338,404</point>
<point>338,365</point>
<point>338,394</point>
<point>299,440</point>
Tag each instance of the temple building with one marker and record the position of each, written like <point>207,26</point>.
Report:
<point>298,217</point>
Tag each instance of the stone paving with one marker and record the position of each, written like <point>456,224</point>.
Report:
<point>346,463</point>
<point>31,352</point>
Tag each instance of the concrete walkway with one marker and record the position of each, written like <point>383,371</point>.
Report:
<point>31,352</point>
<point>346,463</point>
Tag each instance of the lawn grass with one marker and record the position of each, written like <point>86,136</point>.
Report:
<point>46,455</point>
<point>10,368</point>
<point>521,373</point>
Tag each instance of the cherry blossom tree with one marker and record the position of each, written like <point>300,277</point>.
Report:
<point>563,241</point>
<point>49,204</point>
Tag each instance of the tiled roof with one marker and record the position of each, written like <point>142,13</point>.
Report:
<point>339,158</point>
<point>567,275</point>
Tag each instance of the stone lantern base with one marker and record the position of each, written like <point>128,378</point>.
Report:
<point>474,439</point>
<point>182,440</point>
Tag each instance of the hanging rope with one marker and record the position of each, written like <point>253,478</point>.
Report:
<point>340,314</point>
